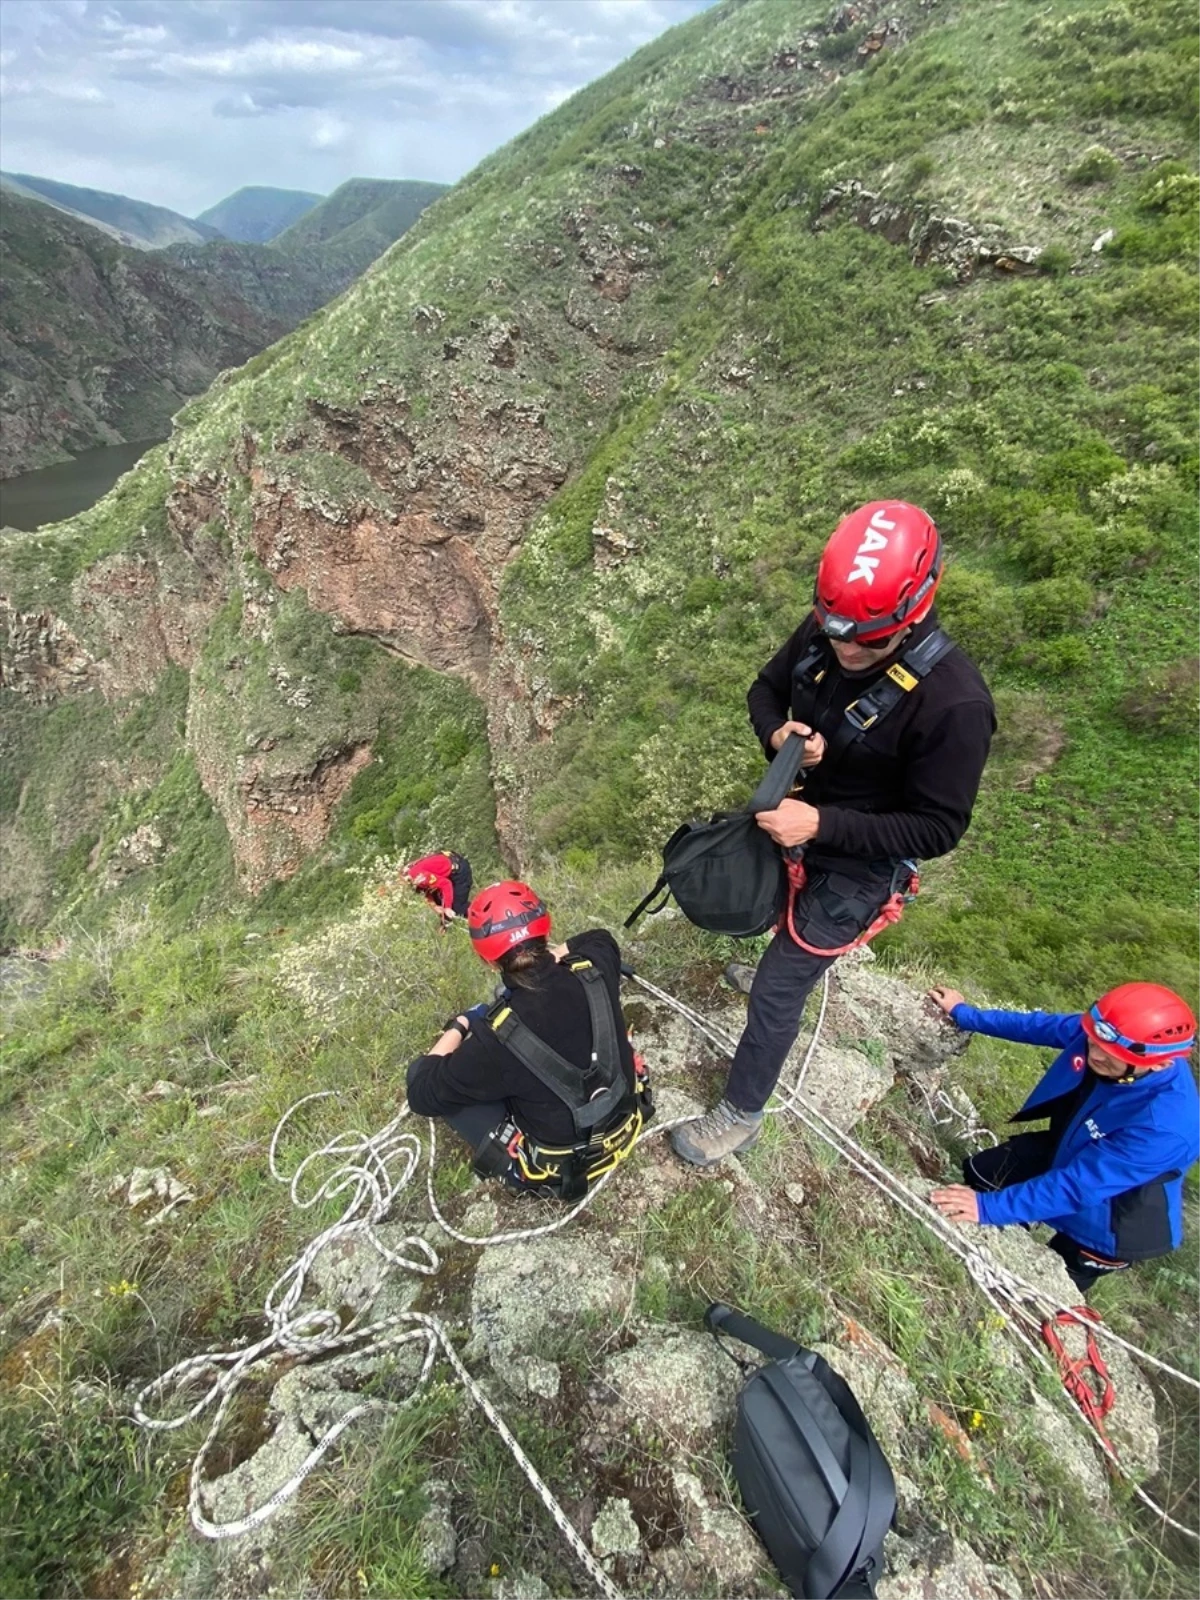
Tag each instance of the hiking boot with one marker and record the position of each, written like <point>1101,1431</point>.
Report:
<point>723,1131</point>
<point>739,976</point>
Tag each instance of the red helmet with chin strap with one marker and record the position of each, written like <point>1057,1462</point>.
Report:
<point>1141,1024</point>
<point>879,572</point>
<point>503,916</point>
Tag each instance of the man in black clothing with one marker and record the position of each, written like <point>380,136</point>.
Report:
<point>897,723</point>
<point>523,1121</point>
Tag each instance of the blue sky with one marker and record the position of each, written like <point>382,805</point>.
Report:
<point>182,101</point>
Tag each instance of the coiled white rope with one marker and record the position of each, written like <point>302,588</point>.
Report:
<point>377,1169</point>
<point>1000,1286</point>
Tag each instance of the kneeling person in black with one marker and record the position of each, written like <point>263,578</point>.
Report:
<point>544,1086</point>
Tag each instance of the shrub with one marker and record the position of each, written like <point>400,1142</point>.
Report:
<point>1055,261</point>
<point>981,614</point>
<point>1166,701</point>
<point>919,168</point>
<point>1058,658</point>
<point>1097,165</point>
<point>1055,604</point>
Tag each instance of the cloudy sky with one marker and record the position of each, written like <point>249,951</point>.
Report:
<point>180,102</point>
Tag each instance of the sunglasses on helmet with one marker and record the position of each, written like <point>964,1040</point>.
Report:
<point>1105,1032</point>
<point>843,630</point>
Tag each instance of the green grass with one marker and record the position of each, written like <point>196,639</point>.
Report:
<point>762,377</point>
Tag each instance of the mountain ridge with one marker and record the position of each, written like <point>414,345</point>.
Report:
<point>256,213</point>
<point>134,223</point>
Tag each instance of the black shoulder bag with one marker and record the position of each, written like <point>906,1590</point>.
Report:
<point>727,874</point>
<point>816,1485</point>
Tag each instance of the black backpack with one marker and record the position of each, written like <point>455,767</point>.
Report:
<point>727,874</point>
<point>816,1485</point>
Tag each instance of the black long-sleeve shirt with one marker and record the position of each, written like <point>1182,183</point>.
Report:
<point>483,1069</point>
<point>907,787</point>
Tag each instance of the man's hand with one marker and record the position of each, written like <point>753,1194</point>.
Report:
<point>814,747</point>
<point>792,822</point>
<point>957,1202</point>
<point>946,998</point>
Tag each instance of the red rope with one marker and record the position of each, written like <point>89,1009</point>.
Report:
<point>1087,1379</point>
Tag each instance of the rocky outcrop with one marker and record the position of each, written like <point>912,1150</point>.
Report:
<point>951,242</point>
<point>413,549</point>
<point>40,657</point>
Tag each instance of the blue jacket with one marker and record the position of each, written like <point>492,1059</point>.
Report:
<point>1115,1182</point>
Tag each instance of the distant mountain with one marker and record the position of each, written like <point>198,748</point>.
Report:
<point>130,222</point>
<point>360,218</point>
<point>100,343</point>
<point>256,215</point>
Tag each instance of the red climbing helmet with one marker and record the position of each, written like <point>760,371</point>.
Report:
<point>879,572</point>
<point>431,875</point>
<point>504,916</point>
<point>1140,1023</point>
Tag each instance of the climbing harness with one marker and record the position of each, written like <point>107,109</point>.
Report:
<point>1095,1399</point>
<point>879,701</point>
<point>607,1114</point>
<point>905,885</point>
<point>376,1168</point>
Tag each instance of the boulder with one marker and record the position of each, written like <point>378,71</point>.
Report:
<point>531,1296</point>
<point>718,1537</point>
<point>351,1272</point>
<point>843,1084</point>
<point>673,1385</point>
<point>916,1034</point>
<point>880,1383</point>
<point>936,1566</point>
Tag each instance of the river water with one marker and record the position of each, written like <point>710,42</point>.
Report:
<point>32,499</point>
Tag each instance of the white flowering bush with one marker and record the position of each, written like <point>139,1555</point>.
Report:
<point>389,961</point>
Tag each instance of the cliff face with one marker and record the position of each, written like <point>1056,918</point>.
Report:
<point>574,442</point>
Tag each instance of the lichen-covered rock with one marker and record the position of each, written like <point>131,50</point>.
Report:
<point>531,1296</point>
<point>882,1387</point>
<point>351,1272</point>
<point>917,1035</point>
<point>614,1532</point>
<point>844,1084</point>
<point>936,1566</point>
<point>437,1543</point>
<point>673,1385</point>
<point>719,1543</point>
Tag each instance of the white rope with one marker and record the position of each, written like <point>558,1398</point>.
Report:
<point>377,1168</point>
<point>997,1283</point>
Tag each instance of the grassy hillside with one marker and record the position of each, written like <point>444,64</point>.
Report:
<point>255,215</point>
<point>386,206</point>
<point>132,222</point>
<point>762,272</point>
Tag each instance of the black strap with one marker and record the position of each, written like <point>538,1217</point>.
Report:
<point>779,776</point>
<point>562,1077</point>
<point>645,901</point>
<point>865,713</point>
<point>720,1318</point>
<point>865,1515</point>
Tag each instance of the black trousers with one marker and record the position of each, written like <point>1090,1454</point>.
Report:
<point>473,1123</point>
<point>833,909</point>
<point>1025,1156</point>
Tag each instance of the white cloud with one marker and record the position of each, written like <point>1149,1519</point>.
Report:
<point>151,97</point>
<point>330,133</point>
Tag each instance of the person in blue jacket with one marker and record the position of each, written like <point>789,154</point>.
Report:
<point>1124,1127</point>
